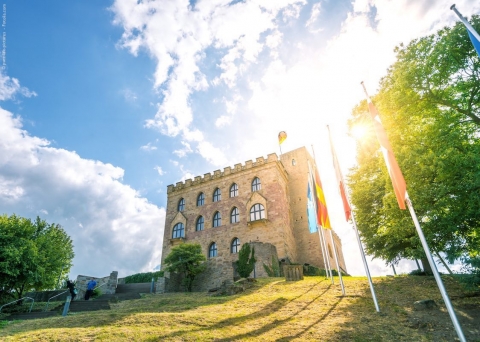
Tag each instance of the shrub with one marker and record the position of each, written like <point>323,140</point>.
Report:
<point>143,277</point>
<point>272,270</point>
<point>309,270</point>
<point>246,261</point>
<point>188,260</point>
<point>417,272</point>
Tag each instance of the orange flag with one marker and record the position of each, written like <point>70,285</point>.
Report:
<point>338,173</point>
<point>322,213</point>
<point>281,137</point>
<point>394,171</point>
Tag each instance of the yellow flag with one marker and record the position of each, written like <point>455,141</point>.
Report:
<point>281,137</point>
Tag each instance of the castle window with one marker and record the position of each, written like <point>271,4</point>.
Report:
<point>235,247</point>
<point>217,195</point>
<point>257,212</point>
<point>181,205</point>
<point>178,231</point>
<point>217,219</point>
<point>200,224</point>
<point>212,250</point>
<point>234,215</point>
<point>201,199</point>
<point>234,190</point>
<point>294,162</point>
<point>256,185</point>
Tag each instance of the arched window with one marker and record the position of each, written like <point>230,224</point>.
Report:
<point>200,199</point>
<point>200,223</point>
<point>235,246</point>
<point>217,219</point>
<point>178,231</point>
<point>234,190</point>
<point>181,205</point>
<point>212,250</point>
<point>217,195</point>
<point>256,184</point>
<point>294,162</point>
<point>234,215</point>
<point>257,212</point>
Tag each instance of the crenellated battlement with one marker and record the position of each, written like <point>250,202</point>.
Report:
<point>249,164</point>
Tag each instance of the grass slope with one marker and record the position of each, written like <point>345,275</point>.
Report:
<point>273,310</point>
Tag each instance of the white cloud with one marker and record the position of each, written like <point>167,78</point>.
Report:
<point>159,170</point>
<point>111,226</point>
<point>183,151</point>
<point>148,147</point>
<point>314,14</point>
<point>129,95</point>
<point>10,86</point>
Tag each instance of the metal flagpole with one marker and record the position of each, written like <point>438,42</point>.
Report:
<point>336,261</point>
<point>323,252</point>
<point>465,22</point>
<point>327,253</point>
<point>440,285</point>
<point>359,241</point>
<point>364,259</point>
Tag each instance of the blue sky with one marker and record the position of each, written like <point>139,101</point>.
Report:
<point>105,103</point>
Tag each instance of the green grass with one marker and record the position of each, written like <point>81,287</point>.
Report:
<point>273,310</point>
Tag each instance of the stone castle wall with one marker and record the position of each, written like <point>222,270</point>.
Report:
<point>220,270</point>
<point>275,229</point>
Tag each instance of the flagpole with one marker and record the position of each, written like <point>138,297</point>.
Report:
<point>399,187</point>
<point>359,241</point>
<point>465,22</point>
<point>323,253</point>
<point>336,261</point>
<point>327,253</point>
<point>440,285</point>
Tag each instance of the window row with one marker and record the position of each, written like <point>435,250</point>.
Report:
<point>234,248</point>
<point>217,194</point>
<point>257,212</point>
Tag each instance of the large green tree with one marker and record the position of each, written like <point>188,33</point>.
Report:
<point>188,260</point>
<point>33,254</point>
<point>429,104</point>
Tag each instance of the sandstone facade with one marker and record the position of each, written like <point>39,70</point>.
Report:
<point>280,231</point>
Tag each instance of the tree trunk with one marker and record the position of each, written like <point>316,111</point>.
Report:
<point>444,263</point>
<point>426,266</point>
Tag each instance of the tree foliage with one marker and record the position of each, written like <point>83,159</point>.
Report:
<point>430,106</point>
<point>33,254</point>
<point>246,260</point>
<point>188,260</point>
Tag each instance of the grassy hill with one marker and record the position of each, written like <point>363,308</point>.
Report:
<point>272,310</point>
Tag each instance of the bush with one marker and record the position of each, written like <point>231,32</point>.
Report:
<point>246,261</point>
<point>272,270</point>
<point>417,273</point>
<point>186,259</point>
<point>143,277</point>
<point>309,270</point>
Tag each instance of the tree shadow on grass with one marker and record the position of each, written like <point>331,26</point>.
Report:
<point>265,311</point>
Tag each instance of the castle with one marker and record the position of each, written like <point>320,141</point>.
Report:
<point>263,203</point>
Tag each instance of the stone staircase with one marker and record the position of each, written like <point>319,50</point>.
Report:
<point>122,292</point>
<point>32,315</point>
